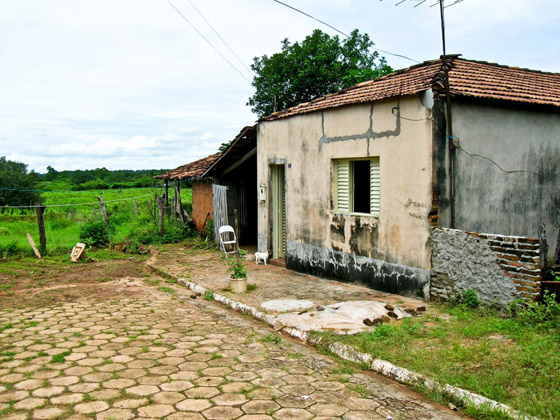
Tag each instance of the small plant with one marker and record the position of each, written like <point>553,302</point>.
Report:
<point>271,338</point>
<point>237,267</point>
<point>95,233</point>
<point>61,357</point>
<point>468,298</point>
<point>208,295</point>
<point>251,287</point>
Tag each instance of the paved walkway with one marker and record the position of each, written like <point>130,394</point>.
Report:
<point>161,355</point>
<point>206,269</point>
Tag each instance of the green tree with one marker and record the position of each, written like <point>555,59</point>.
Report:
<point>319,65</point>
<point>16,183</point>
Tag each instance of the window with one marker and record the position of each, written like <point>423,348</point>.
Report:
<point>357,186</point>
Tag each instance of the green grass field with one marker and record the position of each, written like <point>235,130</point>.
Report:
<point>67,211</point>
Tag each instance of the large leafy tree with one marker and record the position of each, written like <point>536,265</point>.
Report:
<point>16,184</point>
<point>319,65</point>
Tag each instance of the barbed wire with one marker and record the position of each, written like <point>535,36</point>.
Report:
<point>75,204</point>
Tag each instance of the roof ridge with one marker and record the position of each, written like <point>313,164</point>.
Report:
<point>505,66</point>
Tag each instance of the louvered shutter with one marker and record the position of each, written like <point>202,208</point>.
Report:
<point>375,186</point>
<point>343,186</point>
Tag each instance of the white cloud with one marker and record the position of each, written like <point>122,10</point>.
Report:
<point>129,84</point>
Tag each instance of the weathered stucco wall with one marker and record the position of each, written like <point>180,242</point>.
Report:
<point>499,268</point>
<point>488,199</point>
<point>397,241</point>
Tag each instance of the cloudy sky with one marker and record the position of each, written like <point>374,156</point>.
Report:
<point>129,84</point>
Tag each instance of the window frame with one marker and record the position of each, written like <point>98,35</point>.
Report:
<point>344,185</point>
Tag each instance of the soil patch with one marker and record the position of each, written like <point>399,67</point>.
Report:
<point>32,283</point>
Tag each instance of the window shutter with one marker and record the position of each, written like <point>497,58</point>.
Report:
<point>343,186</point>
<point>375,186</point>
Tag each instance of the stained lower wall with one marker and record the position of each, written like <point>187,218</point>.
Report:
<point>499,268</point>
<point>376,274</point>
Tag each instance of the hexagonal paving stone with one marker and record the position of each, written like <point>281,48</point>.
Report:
<point>29,384</point>
<point>131,403</point>
<point>142,390</point>
<point>328,410</point>
<point>229,399</point>
<point>115,413</point>
<point>292,413</point>
<point>260,407</point>
<point>67,399</point>
<point>168,397</point>
<point>157,411</point>
<point>118,383</point>
<point>177,386</point>
<point>202,392</point>
<point>222,413</point>
<point>197,405</point>
<point>29,403</point>
<point>49,391</point>
<point>48,413</point>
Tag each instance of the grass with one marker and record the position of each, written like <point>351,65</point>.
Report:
<point>513,360</point>
<point>62,224</point>
<point>208,295</point>
<point>272,338</point>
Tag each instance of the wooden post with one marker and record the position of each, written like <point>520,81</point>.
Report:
<point>135,207</point>
<point>543,248</point>
<point>161,213</point>
<point>41,223</point>
<point>236,224</point>
<point>179,203</point>
<point>166,194</point>
<point>32,243</point>
<point>103,211</point>
<point>173,208</point>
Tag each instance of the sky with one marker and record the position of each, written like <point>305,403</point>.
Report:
<point>129,84</point>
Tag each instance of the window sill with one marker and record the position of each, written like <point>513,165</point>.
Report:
<point>373,215</point>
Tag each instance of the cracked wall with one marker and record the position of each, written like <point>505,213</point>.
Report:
<point>397,241</point>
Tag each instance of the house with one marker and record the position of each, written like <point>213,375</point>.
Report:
<point>202,208</point>
<point>224,186</point>
<point>351,185</point>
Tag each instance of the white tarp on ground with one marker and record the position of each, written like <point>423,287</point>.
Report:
<point>285,305</point>
<point>343,317</point>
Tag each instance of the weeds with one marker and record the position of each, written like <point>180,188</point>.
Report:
<point>271,338</point>
<point>208,295</point>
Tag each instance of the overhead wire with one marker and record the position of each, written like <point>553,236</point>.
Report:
<point>341,32</point>
<point>77,204</point>
<point>219,36</point>
<point>208,41</point>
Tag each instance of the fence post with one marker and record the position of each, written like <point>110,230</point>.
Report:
<point>135,207</point>
<point>161,212</point>
<point>41,223</point>
<point>103,211</point>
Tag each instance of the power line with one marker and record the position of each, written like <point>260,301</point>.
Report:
<point>219,36</point>
<point>208,41</point>
<point>507,171</point>
<point>340,32</point>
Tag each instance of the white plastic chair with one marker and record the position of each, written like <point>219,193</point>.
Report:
<point>226,233</point>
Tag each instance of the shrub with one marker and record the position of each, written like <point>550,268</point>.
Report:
<point>467,298</point>
<point>537,314</point>
<point>95,233</point>
<point>10,249</point>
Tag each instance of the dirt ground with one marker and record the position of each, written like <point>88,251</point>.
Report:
<point>29,283</point>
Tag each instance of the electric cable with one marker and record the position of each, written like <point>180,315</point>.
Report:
<point>208,41</point>
<point>219,36</point>
<point>507,171</point>
<point>340,32</point>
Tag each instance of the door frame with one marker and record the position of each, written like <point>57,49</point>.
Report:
<point>278,178</point>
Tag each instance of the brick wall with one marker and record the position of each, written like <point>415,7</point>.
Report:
<point>201,202</point>
<point>499,268</point>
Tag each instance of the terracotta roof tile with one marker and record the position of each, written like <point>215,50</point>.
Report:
<point>190,170</point>
<point>466,78</point>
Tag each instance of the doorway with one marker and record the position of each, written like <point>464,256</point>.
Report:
<point>278,212</point>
